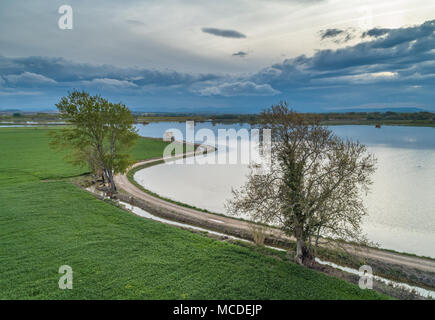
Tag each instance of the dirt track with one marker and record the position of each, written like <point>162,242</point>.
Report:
<point>241,228</point>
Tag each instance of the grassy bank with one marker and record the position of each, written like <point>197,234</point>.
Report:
<point>46,222</point>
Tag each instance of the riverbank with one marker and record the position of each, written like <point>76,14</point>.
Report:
<point>372,118</point>
<point>326,123</point>
<point>401,267</point>
<point>46,222</point>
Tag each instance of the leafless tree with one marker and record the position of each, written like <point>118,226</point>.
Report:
<point>314,186</point>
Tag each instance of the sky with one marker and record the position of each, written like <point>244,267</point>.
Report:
<point>236,56</point>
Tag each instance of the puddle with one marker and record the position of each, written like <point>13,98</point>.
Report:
<point>142,213</point>
<point>420,291</point>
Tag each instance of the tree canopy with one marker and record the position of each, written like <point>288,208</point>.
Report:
<point>314,185</point>
<point>100,134</point>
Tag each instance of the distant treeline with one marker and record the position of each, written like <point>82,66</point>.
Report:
<point>18,116</point>
<point>422,118</point>
<point>389,117</point>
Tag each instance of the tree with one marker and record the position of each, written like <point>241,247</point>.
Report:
<point>100,136</point>
<point>313,188</point>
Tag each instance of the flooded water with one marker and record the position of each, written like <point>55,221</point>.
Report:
<point>401,204</point>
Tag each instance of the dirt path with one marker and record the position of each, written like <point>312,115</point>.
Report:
<point>184,214</point>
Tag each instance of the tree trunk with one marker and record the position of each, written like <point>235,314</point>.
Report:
<point>105,176</point>
<point>299,252</point>
<point>111,182</point>
<point>304,255</point>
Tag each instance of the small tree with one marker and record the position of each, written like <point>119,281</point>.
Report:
<point>100,136</point>
<point>314,186</point>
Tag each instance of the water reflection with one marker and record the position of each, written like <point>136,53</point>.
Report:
<point>401,203</point>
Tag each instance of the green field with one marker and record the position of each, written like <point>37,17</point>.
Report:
<point>46,222</point>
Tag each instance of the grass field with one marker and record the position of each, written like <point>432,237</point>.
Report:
<point>46,222</point>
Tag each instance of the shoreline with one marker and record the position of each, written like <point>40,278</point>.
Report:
<point>401,267</point>
<point>325,123</point>
<point>154,162</point>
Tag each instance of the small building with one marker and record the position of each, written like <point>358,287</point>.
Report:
<point>168,136</point>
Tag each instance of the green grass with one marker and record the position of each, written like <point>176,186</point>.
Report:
<point>115,254</point>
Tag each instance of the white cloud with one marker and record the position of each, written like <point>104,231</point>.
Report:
<point>385,74</point>
<point>9,92</point>
<point>29,78</point>
<point>239,88</point>
<point>107,82</point>
<point>359,78</point>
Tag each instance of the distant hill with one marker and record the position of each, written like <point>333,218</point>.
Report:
<point>381,110</point>
<point>9,110</point>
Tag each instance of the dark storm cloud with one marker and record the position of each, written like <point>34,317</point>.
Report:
<point>397,67</point>
<point>399,49</point>
<point>61,70</point>
<point>375,32</point>
<point>135,22</point>
<point>330,33</point>
<point>240,54</point>
<point>226,33</point>
<point>337,35</point>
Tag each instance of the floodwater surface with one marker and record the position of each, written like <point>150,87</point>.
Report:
<point>401,203</point>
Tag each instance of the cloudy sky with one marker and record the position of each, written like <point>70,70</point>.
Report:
<point>220,56</point>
